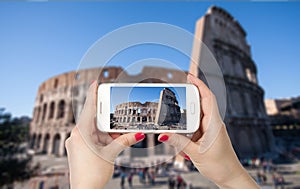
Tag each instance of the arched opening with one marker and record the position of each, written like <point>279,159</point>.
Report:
<point>51,111</point>
<point>38,114</point>
<point>38,142</point>
<point>44,112</point>
<point>73,111</point>
<point>46,143</point>
<point>56,144</point>
<point>32,141</point>
<point>244,144</point>
<point>61,109</point>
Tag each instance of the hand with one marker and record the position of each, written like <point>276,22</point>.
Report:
<point>210,148</point>
<point>91,153</point>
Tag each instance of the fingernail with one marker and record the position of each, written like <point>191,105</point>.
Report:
<point>92,82</point>
<point>187,157</point>
<point>139,136</point>
<point>163,138</point>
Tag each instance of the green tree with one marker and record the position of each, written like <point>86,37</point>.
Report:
<point>15,162</point>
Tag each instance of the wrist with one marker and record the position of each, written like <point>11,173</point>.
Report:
<point>240,180</point>
<point>96,178</point>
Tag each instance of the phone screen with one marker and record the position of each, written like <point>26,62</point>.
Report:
<point>147,108</point>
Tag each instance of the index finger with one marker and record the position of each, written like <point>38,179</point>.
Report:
<point>204,91</point>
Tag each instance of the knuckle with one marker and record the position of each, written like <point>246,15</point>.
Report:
<point>124,141</point>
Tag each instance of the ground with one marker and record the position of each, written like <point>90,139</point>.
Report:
<point>291,173</point>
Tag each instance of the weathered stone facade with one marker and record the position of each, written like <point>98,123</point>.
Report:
<point>284,116</point>
<point>168,109</point>
<point>245,118</point>
<point>60,99</point>
<point>134,113</point>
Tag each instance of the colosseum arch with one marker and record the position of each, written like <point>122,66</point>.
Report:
<point>38,142</point>
<point>37,118</point>
<point>46,143</point>
<point>243,143</point>
<point>51,110</point>
<point>44,112</point>
<point>33,141</point>
<point>55,144</point>
<point>61,109</point>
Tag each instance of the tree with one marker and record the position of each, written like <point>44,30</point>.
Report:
<point>15,162</point>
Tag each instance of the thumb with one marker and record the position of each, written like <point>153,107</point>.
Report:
<point>180,142</point>
<point>112,150</point>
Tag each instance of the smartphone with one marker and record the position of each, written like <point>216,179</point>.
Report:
<point>148,107</point>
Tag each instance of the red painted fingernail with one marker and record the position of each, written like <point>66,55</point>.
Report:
<point>92,82</point>
<point>163,138</point>
<point>187,157</point>
<point>139,136</point>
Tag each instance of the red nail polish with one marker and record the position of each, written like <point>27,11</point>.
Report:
<point>187,157</point>
<point>92,82</point>
<point>139,136</point>
<point>163,138</point>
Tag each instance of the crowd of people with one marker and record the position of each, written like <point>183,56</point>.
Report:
<point>263,167</point>
<point>148,176</point>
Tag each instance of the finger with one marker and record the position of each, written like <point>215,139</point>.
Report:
<point>114,135</point>
<point>112,150</point>
<point>91,97</point>
<point>89,109</point>
<point>180,142</point>
<point>181,153</point>
<point>204,91</point>
<point>197,135</point>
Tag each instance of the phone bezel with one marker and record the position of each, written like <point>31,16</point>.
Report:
<point>103,106</point>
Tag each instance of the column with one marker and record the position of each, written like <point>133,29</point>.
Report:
<point>150,144</point>
<point>61,150</point>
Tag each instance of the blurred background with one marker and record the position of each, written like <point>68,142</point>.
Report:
<point>42,44</point>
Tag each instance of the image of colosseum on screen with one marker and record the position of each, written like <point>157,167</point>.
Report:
<point>148,108</point>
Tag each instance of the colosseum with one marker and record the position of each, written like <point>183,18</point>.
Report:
<point>134,114</point>
<point>148,115</point>
<point>246,119</point>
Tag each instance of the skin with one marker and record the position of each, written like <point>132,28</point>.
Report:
<point>209,149</point>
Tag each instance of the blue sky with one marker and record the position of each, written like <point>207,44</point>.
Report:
<point>144,94</point>
<point>39,40</point>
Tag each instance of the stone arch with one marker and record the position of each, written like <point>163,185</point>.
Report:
<point>61,109</point>
<point>73,111</point>
<point>46,143</point>
<point>51,110</point>
<point>243,144</point>
<point>44,111</point>
<point>37,118</point>
<point>265,141</point>
<point>56,144</point>
<point>38,142</point>
<point>256,141</point>
<point>238,69</point>
<point>33,141</point>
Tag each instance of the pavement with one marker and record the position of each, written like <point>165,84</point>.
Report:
<point>51,164</point>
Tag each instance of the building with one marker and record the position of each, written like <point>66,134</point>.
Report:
<point>246,118</point>
<point>132,114</point>
<point>168,109</point>
<point>60,99</point>
<point>284,116</point>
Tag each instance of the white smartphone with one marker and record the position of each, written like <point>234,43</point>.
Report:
<point>148,107</point>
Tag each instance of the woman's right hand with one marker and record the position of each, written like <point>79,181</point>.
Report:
<point>210,148</point>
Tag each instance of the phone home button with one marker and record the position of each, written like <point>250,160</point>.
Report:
<point>192,107</point>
